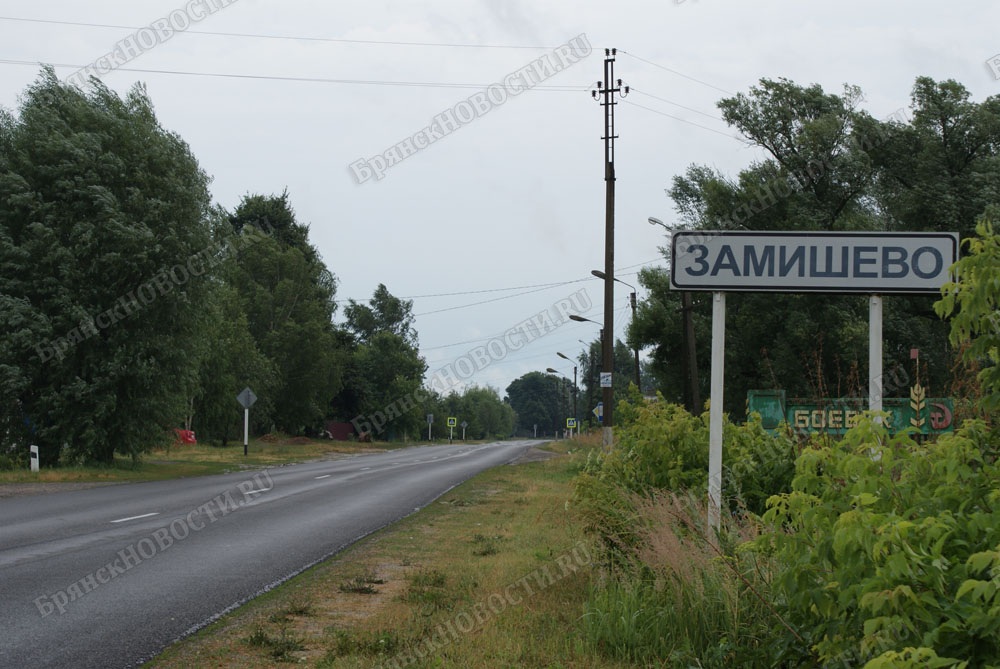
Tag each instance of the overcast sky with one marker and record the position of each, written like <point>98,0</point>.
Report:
<point>514,198</point>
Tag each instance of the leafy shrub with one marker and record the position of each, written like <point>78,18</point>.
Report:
<point>888,551</point>
<point>663,447</point>
<point>973,302</point>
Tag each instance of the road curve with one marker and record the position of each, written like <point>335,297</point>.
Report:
<point>108,577</point>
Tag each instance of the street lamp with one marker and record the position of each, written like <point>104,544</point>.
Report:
<point>559,397</point>
<point>575,414</point>
<point>602,276</point>
<point>690,358</point>
<point>592,381</point>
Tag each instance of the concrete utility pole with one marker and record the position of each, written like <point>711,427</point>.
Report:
<point>605,94</point>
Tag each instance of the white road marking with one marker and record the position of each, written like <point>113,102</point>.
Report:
<point>326,476</point>
<point>365,468</point>
<point>257,492</point>
<point>145,515</point>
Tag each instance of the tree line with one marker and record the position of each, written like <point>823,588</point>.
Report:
<point>131,304</point>
<point>828,166</point>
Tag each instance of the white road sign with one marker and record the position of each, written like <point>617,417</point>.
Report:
<point>246,398</point>
<point>872,263</point>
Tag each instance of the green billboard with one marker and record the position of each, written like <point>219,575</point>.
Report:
<point>837,415</point>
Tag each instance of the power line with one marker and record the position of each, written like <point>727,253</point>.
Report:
<point>473,292</point>
<point>500,334</point>
<point>288,37</point>
<point>682,120</point>
<point>505,297</point>
<point>677,104</point>
<point>554,345</point>
<point>500,290</point>
<point>679,74</point>
<point>497,299</point>
<point>638,264</point>
<point>365,82</point>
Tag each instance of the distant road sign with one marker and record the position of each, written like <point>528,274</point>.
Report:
<point>599,411</point>
<point>605,379</point>
<point>464,425</point>
<point>430,418</point>
<point>571,422</point>
<point>246,398</point>
<point>452,422</point>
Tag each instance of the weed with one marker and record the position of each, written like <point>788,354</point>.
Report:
<point>428,578</point>
<point>486,545</point>
<point>279,647</point>
<point>357,585</point>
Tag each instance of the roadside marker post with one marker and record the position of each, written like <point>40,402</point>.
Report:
<point>34,458</point>
<point>247,398</point>
<point>863,263</point>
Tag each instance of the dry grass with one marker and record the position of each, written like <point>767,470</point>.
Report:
<point>432,574</point>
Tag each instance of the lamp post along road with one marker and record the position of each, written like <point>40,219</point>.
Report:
<point>575,388</point>
<point>581,319</point>
<point>600,275</point>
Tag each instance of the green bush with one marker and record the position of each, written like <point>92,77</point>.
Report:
<point>973,303</point>
<point>662,447</point>
<point>13,460</point>
<point>888,551</point>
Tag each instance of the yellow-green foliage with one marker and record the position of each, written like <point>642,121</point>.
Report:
<point>888,550</point>
<point>973,302</point>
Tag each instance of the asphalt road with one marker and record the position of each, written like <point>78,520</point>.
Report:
<point>122,571</point>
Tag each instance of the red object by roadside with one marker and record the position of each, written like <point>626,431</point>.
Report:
<point>185,436</point>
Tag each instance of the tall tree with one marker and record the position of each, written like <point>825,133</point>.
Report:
<point>539,399</point>
<point>287,294</point>
<point>383,313</point>
<point>104,213</point>
<point>385,361</point>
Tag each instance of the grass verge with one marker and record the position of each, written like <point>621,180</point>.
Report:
<point>500,545</point>
<point>200,460</point>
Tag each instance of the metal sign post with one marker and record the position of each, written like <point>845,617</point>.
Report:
<point>875,354</point>
<point>464,425</point>
<point>452,422</point>
<point>715,410</point>
<point>430,421</point>
<point>247,400</point>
